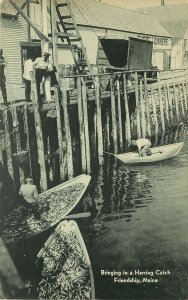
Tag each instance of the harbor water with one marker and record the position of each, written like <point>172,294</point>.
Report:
<point>139,241</point>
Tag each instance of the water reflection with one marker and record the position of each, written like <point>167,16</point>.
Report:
<point>144,212</point>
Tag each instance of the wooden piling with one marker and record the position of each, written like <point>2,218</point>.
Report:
<point>142,106</point>
<point>169,100</point>
<point>39,138</point>
<point>86,129</point>
<point>175,96</point>
<point>147,105</point>
<point>26,130</point>
<point>184,94</point>
<point>113,114</point>
<point>154,112</point>
<point>1,150</point>
<point>7,142</point>
<point>181,98</point>
<point>67,130</point>
<point>119,116</point>
<point>166,102</point>
<point>81,125</point>
<point>98,120</point>
<point>127,115</point>
<point>59,134</point>
<point>161,102</point>
<point>18,141</point>
<point>137,107</point>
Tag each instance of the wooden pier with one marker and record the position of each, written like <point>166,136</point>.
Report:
<point>87,115</point>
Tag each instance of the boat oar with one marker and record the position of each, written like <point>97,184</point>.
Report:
<point>78,216</point>
<point>69,217</point>
<point>109,153</point>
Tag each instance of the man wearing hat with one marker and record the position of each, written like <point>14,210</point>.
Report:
<point>43,67</point>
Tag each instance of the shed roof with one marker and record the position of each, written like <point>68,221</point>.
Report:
<point>171,17</point>
<point>97,14</point>
<point>167,12</point>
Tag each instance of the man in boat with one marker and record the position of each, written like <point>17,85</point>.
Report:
<point>30,196</point>
<point>143,146</point>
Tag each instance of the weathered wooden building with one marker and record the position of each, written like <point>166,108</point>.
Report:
<point>97,22</point>
<point>173,18</point>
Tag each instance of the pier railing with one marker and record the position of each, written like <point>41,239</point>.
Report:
<point>87,115</point>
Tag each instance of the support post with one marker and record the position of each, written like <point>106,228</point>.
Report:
<point>166,102</point>
<point>54,31</point>
<point>59,134</point>
<point>147,105</point>
<point>113,113</point>
<point>86,130</point>
<point>181,98</point>
<point>154,111</point>
<point>170,100</point>
<point>143,119</point>
<point>175,95</point>
<point>119,116</point>
<point>81,125</point>
<point>127,116</point>
<point>161,102</point>
<point>7,141</point>
<point>137,107</point>
<point>98,120</point>
<point>184,94</point>
<point>39,137</point>
<point>67,130</point>
<point>26,127</point>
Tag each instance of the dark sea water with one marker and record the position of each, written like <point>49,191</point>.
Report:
<point>140,224</point>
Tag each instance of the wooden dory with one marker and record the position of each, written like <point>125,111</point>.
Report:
<point>55,204</point>
<point>64,266</point>
<point>167,151</point>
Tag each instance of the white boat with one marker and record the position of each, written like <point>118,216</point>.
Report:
<point>55,204</point>
<point>64,266</point>
<point>158,154</point>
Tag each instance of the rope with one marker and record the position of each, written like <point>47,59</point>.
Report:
<point>109,153</point>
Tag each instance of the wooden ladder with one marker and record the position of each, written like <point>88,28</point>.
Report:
<point>68,29</point>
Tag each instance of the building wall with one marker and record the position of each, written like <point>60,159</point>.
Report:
<point>177,53</point>
<point>11,34</point>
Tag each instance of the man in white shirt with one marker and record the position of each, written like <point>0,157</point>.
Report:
<point>143,146</point>
<point>28,77</point>
<point>30,196</point>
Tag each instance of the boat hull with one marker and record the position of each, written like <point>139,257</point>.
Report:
<point>65,268</point>
<point>167,151</point>
<point>55,204</point>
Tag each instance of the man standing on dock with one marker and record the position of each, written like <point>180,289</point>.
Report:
<point>30,196</point>
<point>28,77</point>
<point>2,76</point>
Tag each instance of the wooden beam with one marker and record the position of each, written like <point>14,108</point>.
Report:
<point>137,107</point>
<point>81,125</point>
<point>54,30</point>
<point>59,134</point>
<point>39,137</point>
<point>154,112</point>
<point>147,105</point>
<point>127,116</point>
<point>28,20</point>
<point>67,130</point>
<point>98,120</point>
<point>161,102</point>
<point>142,107</point>
<point>22,7</point>
<point>86,129</point>
<point>113,114</point>
<point>119,115</point>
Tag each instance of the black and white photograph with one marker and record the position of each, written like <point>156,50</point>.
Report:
<point>94,149</point>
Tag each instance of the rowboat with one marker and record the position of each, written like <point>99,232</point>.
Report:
<point>158,154</point>
<point>64,266</point>
<point>55,204</point>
